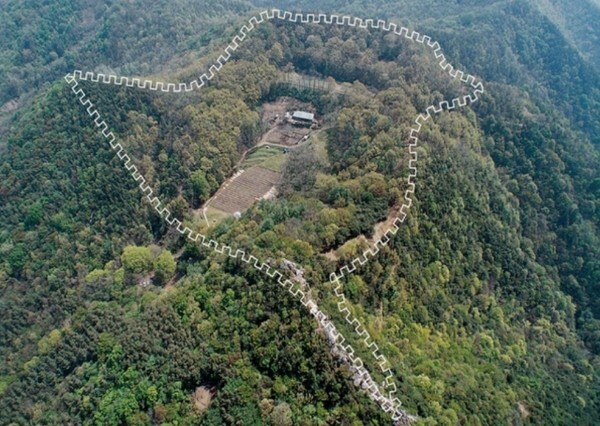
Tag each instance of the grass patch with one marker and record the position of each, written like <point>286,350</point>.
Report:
<point>4,382</point>
<point>269,157</point>
<point>215,216</point>
<point>319,141</point>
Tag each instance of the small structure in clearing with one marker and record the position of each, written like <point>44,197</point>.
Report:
<point>260,171</point>
<point>302,118</point>
<point>288,121</point>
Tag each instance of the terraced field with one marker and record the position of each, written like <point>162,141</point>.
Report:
<point>245,189</point>
<point>269,157</point>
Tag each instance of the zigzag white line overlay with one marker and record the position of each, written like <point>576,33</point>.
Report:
<point>346,352</point>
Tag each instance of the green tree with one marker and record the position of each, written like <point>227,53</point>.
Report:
<point>48,342</point>
<point>164,267</point>
<point>16,259</point>
<point>118,406</point>
<point>136,259</point>
<point>34,215</point>
<point>200,187</point>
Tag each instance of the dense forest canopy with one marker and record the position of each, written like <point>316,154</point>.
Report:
<point>486,302</point>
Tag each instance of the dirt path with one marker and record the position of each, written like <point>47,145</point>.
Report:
<point>379,230</point>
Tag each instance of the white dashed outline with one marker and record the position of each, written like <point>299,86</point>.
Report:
<point>298,288</point>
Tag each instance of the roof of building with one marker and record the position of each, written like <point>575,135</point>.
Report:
<point>303,115</point>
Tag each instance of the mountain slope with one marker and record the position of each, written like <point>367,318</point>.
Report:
<point>576,21</point>
<point>515,44</point>
<point>475,301</point>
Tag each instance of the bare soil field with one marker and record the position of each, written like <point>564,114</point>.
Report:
<point>286,134</point>
<point>245,189</point>
<point>259,169</point>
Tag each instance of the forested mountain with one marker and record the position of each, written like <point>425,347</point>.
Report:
<point>576,21</point>
<point>42,42</point>
<point>486,302</point>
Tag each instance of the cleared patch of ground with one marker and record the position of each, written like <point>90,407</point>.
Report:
<point>6,112</point>
<point>269,157</point>
<point>274,110</point>
<point>245,189</point>
<point>379,230</point>
<point>259,171</point>
<point>279,132</point>
<point>215,216</point>
<point>201,399</point>
<point>9,106</point>
<point>286,134</point>
<point>319,141</point>
<point>303,81</point>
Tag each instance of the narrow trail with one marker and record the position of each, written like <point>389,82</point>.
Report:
<point>384,394</point>
<point>379,230</point>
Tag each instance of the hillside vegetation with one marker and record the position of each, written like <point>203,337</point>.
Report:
<point>485,302</point>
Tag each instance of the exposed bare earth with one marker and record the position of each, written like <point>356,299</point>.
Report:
<point>201,399</point>
<point>5,114</point>
<point>271,110</point>
<point>285,134</point>
<point>281,133</point>
<point>379,231</point>
<point>245,189</point>
<point>381,227</point>
<point>9,106</point>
